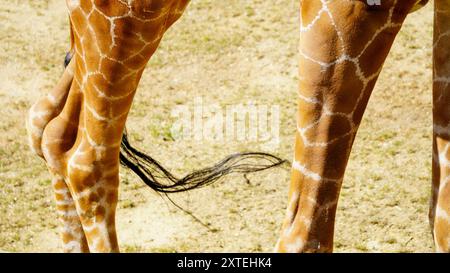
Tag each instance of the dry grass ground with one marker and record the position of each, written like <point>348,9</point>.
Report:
<point>226,52</point>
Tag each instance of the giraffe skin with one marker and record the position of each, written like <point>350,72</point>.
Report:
<point>77,128</point>
<point>340,60</point>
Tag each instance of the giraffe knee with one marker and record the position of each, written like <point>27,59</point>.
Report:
<point>39,115</point>
<point>58,138</point>
<point>35,129</point>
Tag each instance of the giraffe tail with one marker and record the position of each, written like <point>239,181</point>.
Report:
<point>154,175</point>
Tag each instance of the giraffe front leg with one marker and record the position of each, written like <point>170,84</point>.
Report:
<point>440,201</point>
<point>341,58</point>
<point>113,43</point>
<point>94,183</point>
<point>85,163</point>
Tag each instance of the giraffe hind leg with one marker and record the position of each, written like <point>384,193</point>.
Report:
<point>41,114</point>
<point>50,106</point>
<point>91,125</point>
<point>72,234</point>
<point>47,108</point>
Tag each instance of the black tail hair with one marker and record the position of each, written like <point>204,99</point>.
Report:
<point>161,180</point>
<point>154,175</point>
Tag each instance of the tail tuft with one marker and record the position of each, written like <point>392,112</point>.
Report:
<point>160,179</point>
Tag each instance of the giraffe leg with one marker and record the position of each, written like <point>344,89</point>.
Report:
<point>440,201</point>
<point>72,233</point>
<point>113,42</point>
<point>47,108</point>
<point>40,115</point>
<point>341,58</point>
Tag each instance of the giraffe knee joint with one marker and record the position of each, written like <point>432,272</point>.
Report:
<point>58,137</point>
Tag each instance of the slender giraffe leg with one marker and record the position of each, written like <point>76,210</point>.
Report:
<point>440,204</point>
<point>341,57</point>
<point>47,108</point>
<point>72,233</point>
<point>40,114</point>
<point>113,43</point>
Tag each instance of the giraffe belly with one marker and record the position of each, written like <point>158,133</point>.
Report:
<point>419,5</point>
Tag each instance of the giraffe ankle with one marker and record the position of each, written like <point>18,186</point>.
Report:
<point>302,245</point>
<point>309,236</point>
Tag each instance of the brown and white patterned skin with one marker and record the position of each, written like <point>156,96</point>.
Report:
<point>343,46</point>
<point>78,127</point>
